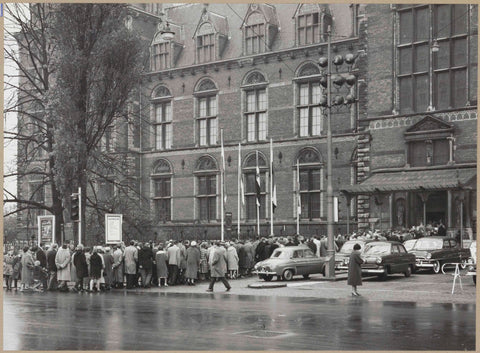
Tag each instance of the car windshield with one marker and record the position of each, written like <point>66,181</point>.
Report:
<point>409,244</point>
<point>428,244</point>
<point>347,248</point>
<point>280,254</point>
<point>372,249</point>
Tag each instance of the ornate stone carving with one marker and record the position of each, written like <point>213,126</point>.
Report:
<point>255,77</point>
<point>309,70</point>
<point>308,156</point>
<point>161,91</point>
<point>162,166</point>
<point>206,85</point>
<point>252,161</point>
<point>206,163</point>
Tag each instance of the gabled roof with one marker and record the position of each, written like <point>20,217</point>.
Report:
<point>268,11</point>
<point>309,8</point>
<point>218,22</point>
<point>429,123</point>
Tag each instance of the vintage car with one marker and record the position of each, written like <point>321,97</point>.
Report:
<point>409,244</point>
<point>387,257</point>
<point>472,262</point>
<point>290,261</point>
<point>433,252</point>
<point>342,257</point>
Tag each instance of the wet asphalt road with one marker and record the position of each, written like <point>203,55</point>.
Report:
<point>192,321</point>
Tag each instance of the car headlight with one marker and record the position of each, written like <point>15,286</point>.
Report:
<point>429,256</point>
<point>378,260</point>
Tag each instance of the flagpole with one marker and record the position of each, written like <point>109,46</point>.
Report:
<point>271,187</point>
<point>256,203</point>
<point>222,175</point>
<point>298,198</point>
<point>238,188</point>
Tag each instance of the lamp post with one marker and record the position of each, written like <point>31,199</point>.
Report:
<point>326,102</point>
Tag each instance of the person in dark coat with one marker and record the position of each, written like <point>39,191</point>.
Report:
<point>355,270</point>
<point>96,267</point>
<point>81,267</point>
<point>40,256</point>
<point>161,264</point>
<point>260,254</point>
<point>52,267</point>
<point>442,230</point>
<point>145,264</point>
<point>108,271</point>
<point>312,245</point>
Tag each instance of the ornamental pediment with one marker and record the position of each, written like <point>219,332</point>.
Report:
<point>429,124</point>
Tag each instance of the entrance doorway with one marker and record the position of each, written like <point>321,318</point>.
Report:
<point>437,207</point>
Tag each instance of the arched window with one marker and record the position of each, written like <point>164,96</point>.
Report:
<point>160,53</point>
<point>249,172</point>
<point>312,21</point>
<point>310,183</point>
<point>206,113</point>
<point>162,190</point>
<point>206,43</point>
<point>310,122</point>
<point>255,107</point>
<point>206,196</point>
<point>162,117</point>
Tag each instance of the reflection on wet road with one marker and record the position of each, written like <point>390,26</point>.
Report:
<point>172,321</point>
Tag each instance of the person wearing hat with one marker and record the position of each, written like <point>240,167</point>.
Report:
<point>192,262</point>
<point>96,267</point>
<point>232,261</point>
<point>62,261</point>
<point>161,265</point>
<point>117,267</point>
<point>8,260</point>
<point>145,264</point>
<point>52,267</point>
<point>173,257</point>
<point>108,271</point>
<point>355,270</point>
<point>81,267</point>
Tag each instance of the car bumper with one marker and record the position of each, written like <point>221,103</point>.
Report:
<point>378,270</point>
<point>424,263</point>
<point>265,273</point>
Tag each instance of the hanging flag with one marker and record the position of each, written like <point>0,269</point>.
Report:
<point>299,199</point>
<point>272,176</point>
<point>242,190</point>
<point>257,183</point>
<point>223,181</point>
<point>240,177</point>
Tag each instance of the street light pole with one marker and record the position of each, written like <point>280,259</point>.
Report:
<point>330,273</point>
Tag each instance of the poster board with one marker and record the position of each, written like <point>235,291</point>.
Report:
<point>46,229</point>
<point>113,228</point>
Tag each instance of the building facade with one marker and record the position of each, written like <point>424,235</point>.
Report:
<point>404,151</point>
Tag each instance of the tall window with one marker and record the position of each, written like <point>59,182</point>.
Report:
<point>206,43</point>
<point>309,109</point>
<point>308,29</point>
<point>160,56</point>
<point>162,192</point>
<point>162,118</point>
<point>449,63</point>
<point>163,125</point>
<point>256,114</point>
<point>311,184</point>
<point>207,113</point>
<point>250,186</point>
<point>255,34</point>
<point>207,189</point>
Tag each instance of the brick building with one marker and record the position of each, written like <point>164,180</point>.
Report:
<point>252,71</point>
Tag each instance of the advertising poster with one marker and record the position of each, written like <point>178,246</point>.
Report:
<point>113,228</point>
<point>46,229</point>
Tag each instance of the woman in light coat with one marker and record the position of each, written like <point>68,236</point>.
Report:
<point>62,261</point>
<point>232,261</point>
<point>27,269</point>
<point>193,262</point>
<point>8,260</point>
<point>161,264</point>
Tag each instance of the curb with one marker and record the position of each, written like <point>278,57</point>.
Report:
<point>266,285</point>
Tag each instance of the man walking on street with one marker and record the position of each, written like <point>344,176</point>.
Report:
<point>218,265</point>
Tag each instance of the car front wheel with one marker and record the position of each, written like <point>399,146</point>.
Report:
<point>437,267</point>
<point>408,272</point>
<point>287,275</point>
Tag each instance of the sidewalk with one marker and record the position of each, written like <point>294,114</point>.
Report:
<point>422,288</point>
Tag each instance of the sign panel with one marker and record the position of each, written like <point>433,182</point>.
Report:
<point>113,228</point>
<point>46,229</point>
<point>335,209</point>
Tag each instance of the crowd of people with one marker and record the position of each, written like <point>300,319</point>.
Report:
<point>101,268</point>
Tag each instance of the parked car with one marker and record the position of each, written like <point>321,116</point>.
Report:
<point>433,252</point>
<point>387,257</point>
<point>342,257</point>
<point>409,244</point>
<point>472,262</point>
<point>290,261</point>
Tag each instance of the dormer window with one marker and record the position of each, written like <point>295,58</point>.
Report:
<point>260,26</point>
<point>211,36</point>
<point>312,21</point>
<point>160,56</point>
<point>164,53</point>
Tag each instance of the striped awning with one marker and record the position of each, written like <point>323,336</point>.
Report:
<point>419,180</point>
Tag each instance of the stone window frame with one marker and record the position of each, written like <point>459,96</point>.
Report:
<point>207,170</point>
<point>162,170</point>
<point>161,96</point>
<point>249,171</point>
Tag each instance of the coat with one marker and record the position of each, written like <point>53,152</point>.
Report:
<point>203,260</point>
<point>96,266</point>
<point>183,256</point>
<point>8,264</point>
<point>131,258</point>
<point>80,263</point>
<point>218,262</point>
<point>42,257</point>
<point>173,255</point>
<point>161,263</point>
<point>249,255</point>
<point>232,259</point>
<point>17,267</point>
<point>73,271</point>
<point>145,258</point>
<point>355,269</point>
<point>51,254</point>
<point>108,271</point>
<point>118,266</point>
<point>193,262</point>
<point>27,268</point>
<point>62,261</point>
